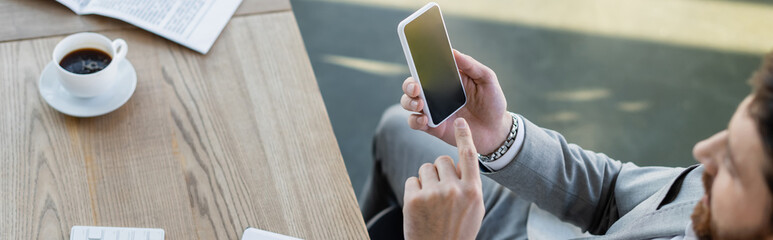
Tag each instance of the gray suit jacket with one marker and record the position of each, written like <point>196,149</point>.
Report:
<point>600,195</point>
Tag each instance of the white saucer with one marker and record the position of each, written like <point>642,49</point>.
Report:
<point>61,100</point>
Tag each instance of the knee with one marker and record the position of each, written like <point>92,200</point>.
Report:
<point>393,121</point>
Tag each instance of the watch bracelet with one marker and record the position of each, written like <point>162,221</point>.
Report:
<point>505,146</point>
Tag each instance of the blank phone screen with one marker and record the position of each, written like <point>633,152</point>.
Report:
<point>434,61</point>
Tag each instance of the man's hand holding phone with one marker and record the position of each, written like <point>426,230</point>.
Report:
<point>446,201</point>
<point>485,111</point>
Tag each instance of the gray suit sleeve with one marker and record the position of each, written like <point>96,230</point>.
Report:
<point>576,185</point>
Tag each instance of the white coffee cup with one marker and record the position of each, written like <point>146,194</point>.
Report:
<point>90,84</point>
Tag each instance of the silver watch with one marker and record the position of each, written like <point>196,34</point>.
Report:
<point>505,146</point>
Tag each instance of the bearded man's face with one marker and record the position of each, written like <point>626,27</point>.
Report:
<point>737,202</point>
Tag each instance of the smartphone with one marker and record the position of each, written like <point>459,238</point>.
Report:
<point>431,61</point>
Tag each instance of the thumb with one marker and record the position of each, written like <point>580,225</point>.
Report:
<point>472,67</point>
<point>468,156</point>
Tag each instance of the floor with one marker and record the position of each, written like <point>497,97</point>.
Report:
<point>639,80</point>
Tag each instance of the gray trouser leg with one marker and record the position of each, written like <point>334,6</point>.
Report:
<point>398,153</point>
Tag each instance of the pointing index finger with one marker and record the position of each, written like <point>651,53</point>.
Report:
<point>468,155</point>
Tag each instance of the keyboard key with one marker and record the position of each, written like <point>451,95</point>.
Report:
<point>124,235</point>
<point>115,233</point>
<point>78,233</point>
<point>95,234</point>
<point>156,235</point>
<point>110,234</point>
<point>140,235</point>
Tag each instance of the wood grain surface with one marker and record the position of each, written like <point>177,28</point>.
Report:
<point>207,146</point>
<point>25,19</point>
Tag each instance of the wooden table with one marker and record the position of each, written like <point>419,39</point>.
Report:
<point>207,146</point>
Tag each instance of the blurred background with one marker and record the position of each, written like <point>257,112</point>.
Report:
<point>640,80</point>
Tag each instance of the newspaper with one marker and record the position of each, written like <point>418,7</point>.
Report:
<point>192,23</point>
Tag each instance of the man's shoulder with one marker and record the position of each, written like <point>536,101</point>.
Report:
<point>666,212</point>
<point>663,213</point>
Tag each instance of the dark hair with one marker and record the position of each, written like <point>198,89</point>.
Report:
<point>761,109</point>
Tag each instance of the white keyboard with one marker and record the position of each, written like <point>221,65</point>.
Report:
<point>257,234</point>
<point>115,233</point>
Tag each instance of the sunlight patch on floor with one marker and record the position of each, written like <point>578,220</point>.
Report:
<point>562,116</point>
<point>367,65</point>
<point>633,106</point>
<point>579,95</point>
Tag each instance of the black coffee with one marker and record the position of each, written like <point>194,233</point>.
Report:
<point>85,61</point>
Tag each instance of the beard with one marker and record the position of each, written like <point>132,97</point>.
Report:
<point>701,216</point>
<point>701,222</point>
<point>706,229</point>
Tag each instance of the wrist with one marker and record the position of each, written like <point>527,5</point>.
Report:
<point>498,134</point>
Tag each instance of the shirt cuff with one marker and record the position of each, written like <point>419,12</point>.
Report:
<point>510,153</point>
